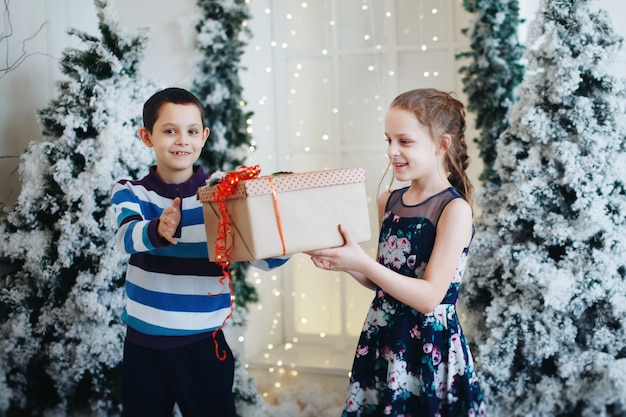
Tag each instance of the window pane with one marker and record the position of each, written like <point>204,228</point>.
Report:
<point>359,23</point>
<point>434,69</point>
<point>308,25</point>
<point>317,295</point>
<point>361,103</point>
<point>423,22</point>
<point>310,105</point>
<point>311,161</point>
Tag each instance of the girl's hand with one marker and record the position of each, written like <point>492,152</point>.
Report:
<point>348,257</point>
<point>169,220</point>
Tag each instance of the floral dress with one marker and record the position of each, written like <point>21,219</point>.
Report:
<point>407,363</point>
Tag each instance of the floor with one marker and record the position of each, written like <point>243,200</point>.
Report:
<point>312,378</point>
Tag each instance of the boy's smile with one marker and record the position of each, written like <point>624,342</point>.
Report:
<point>177,139</point>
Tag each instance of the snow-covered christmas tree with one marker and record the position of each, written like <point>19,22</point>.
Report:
<point>222,37</point>
<point>548,275</point>
<point>493,72</point>
<point>61,337</point>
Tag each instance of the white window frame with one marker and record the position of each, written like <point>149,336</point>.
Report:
<point>387,57</point>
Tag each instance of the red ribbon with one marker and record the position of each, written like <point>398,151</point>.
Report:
<point>223,190</point>
<point>223,243</point>
<point>279,222</point>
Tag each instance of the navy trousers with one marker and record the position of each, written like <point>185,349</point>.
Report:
<point>153,380</point>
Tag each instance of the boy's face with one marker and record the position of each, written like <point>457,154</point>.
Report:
<point>177,139</point>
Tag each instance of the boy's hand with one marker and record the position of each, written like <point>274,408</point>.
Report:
<point>168,222</point>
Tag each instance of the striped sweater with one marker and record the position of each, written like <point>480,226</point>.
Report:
<point>172,290</point>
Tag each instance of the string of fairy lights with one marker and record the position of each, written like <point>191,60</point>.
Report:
<point>320,85</point>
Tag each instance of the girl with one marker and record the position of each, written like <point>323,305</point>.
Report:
<point>412,358</point>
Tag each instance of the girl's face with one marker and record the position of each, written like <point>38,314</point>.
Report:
<point>411,149</point>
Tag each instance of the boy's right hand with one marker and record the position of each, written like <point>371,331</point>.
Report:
<point>169,220</point>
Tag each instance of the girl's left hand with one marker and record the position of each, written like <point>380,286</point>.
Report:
<point>342,258</point>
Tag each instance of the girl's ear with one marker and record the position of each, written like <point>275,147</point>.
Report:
<point>144,134</point>
<point>205,134</point>
<point>444,144</point>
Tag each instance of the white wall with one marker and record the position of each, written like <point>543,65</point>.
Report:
<point>31,85</point>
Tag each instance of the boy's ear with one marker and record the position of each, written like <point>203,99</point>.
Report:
<point>144,135</point>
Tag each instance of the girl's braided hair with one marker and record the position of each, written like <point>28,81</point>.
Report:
<point>442,114</point>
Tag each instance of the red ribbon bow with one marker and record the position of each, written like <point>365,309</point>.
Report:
<point>223,244</point>
<point>223,190</point>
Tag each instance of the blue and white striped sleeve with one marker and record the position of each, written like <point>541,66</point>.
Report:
<point>134,233</point>
<point>270,263</point>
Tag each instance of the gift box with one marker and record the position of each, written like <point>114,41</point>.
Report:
<point>271,216</point>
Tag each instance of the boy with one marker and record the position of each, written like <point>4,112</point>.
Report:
<point>176,304</point>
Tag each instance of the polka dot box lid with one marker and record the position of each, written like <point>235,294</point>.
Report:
<point>284,182</point>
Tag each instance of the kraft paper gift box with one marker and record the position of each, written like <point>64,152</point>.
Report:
<point>304,215</point>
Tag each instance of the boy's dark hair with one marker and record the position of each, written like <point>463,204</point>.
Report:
<point>169,95</point>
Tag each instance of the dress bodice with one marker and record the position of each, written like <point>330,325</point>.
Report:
<point>408,235</point>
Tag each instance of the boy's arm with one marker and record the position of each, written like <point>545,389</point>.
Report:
<point>135,233</point>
